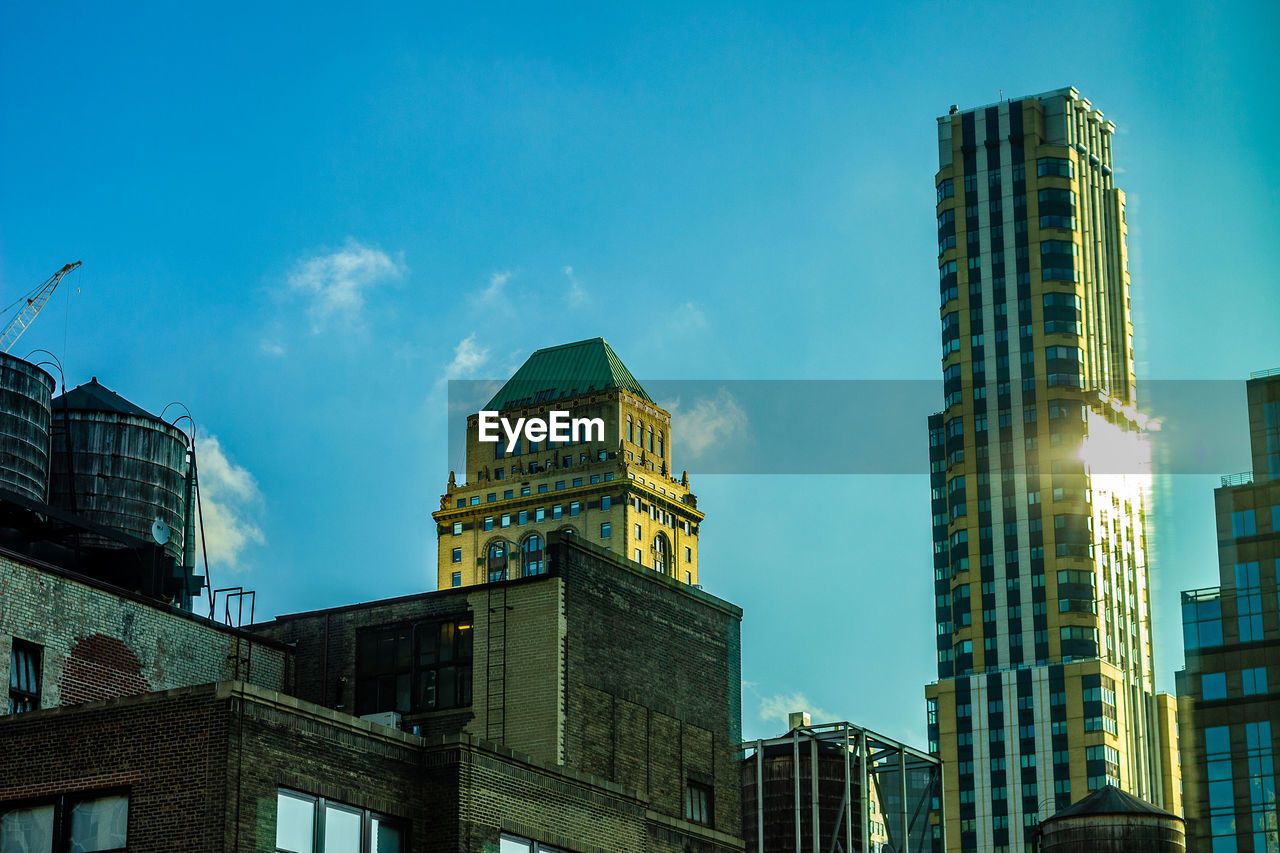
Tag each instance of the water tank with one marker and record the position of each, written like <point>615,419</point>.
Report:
<point>1112,821</point>
<point>24,427</point>
<point>128,468</point>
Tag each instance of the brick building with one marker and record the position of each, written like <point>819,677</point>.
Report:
<point>593,705</point>
<point>594,708</point>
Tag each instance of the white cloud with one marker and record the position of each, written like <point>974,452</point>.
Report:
<point>779,705</point>
<point>468,357</point>
<point>577,293</point>
<point>336,282</point>
<point>229,500</point>
<point>493,294</point>
<point>270,347</point>
<point>707,422</point>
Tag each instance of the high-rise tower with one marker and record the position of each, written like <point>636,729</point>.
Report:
<point>1229,711</point>
<point>1045,687</point>
<point>617,491</point>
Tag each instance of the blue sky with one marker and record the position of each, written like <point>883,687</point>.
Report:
<point>300,220</point>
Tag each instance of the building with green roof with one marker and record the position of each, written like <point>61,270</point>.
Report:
<point>615,486</point>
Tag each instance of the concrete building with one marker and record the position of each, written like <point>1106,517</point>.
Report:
<point>617,490</point>
<point>1229,713</point>
<point>1045,687</point>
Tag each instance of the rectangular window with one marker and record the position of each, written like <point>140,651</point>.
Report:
<point>307,824</point>
<point>522,517</point>
<point>488,522</point>
<point>457,528</point>
<point>457,555</point>
<point>410,668</point>
<point>577,481</point>
<point>1254,681</point>
<point>697,803</point>
<point>94,822</point>
<point>506,520</point>
<point>499,473</point>
<point>456,580</point>
<point>606,502</point>
<point>559,485</point>
<point>24,677</point>
<point>637,556</point>
<point>1243,523</point>
<point>540,514</point>
<point>639,535</point>
<point>556,511</point>
<point>574,507</point>
<point>688,554</point>
<point>1213,685</point>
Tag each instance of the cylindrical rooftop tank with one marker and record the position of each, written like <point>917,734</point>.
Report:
<point>25,391</point>
<point>130,467</point>
<point>1111,821</point>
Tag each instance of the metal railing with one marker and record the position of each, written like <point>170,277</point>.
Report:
<point>1263,374</point>
<point>1244,478</point>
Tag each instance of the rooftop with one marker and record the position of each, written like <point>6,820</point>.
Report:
<point>566,371</point>
<point>1110,800</point>
<point>93,397</point>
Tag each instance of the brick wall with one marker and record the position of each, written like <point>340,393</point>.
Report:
<point>654,680</point>
<point>169,750</point>
<point>99,642</point>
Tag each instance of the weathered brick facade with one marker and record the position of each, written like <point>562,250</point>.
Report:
<point>99,642</point>
<point>600,667</point>
<point>600,690</point>
<point>202,767</point>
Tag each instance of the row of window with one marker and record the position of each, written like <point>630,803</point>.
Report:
<point>638,435</point>
<point>307,824</point>
<point>83,823</point>
<point>1253,682</point>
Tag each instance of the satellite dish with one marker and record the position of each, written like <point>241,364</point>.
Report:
<point>160,532</point>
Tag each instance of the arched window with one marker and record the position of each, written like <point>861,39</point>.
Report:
<point>531,562</point>
<point>660,445</point>
<point>661,553</point>
<point>568,530</point>
<point>650,439</point>
<point>497,561</point>
<point>631,436</point>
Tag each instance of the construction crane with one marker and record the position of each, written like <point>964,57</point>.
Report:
<point>35,301</point>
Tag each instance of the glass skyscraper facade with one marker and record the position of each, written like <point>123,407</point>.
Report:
<point>1229,692</point>
<point>1045,686</point>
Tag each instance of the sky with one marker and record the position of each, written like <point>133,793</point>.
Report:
<point>301,221</point>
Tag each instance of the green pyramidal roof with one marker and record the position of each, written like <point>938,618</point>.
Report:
<point>565,371</point>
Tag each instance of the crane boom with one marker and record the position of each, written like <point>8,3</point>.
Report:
<point>35,301</point>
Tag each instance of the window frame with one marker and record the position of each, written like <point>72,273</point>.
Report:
<point>63,805</point>
<point>320,806</point>
<point>17,693</point>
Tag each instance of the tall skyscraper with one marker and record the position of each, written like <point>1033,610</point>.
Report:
<point>1045,686</point>
<point>1229,693</point>
<point>616,490</point>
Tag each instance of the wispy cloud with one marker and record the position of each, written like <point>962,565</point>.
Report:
<point>494,293</point>
<point>779,705</point>
<point>336,282</point>
<point>271,347</point>
<point>689,317</point>
<point>229,502</point>
<point>708,422</point>
<point>577,293</point>
<point>468,357</point>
